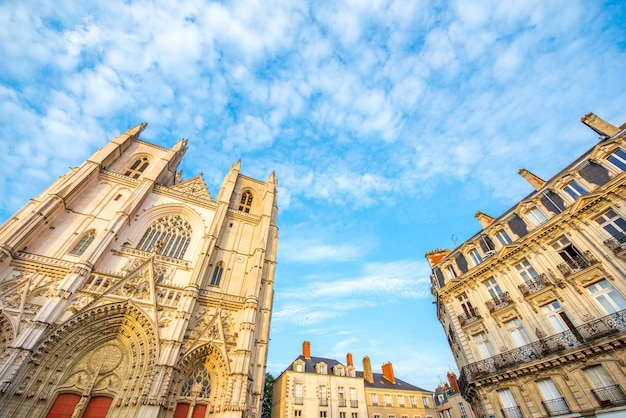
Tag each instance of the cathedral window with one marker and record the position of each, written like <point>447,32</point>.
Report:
<point>197,384</point>
<point>246,202</point>
<point>168,236</point>
<point>217,274</point>
<point>138,167</point>
<point>84,242</point>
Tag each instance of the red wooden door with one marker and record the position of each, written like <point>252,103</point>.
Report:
<point>199,411</point>
<point>97,407</point>
<point>182,409</point>
<point>63,406</point>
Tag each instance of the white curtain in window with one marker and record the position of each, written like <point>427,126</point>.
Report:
<point>599,377</point>
<point>548,389</point>
<point>507,399</point>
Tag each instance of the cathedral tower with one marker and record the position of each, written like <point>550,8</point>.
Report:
<point>128,292</point>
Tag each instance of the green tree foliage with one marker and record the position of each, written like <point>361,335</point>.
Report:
<point>268,390</point>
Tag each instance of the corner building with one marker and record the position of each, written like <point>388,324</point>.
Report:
<point>126,291</point>
<point>534,305</point>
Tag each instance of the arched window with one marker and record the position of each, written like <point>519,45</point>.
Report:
<point>168,236</point>
<point>198,384</point>
<point>84,242</point>
<point>246,202</point>
<point>138,167</point>
<point>217,274</point>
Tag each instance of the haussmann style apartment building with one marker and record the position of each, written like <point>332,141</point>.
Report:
<point>126,291</point>
<point>533,305</point>
<point>318,387</point>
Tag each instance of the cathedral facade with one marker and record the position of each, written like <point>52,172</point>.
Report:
<point>128,292</point>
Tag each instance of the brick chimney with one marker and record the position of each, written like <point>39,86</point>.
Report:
<point>349,360</point>
<point>306,350</point>
<point>483,219</point>
<point>453,383</point>
<point>367,370</point>
<point>435,256</point>
<point>534,181</point>
<point>388,372</point>
<point>601,127</point>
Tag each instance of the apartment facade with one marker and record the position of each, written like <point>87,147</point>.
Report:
<point>533,305</point>
<point>318,387</point>
<point>449,402</point>
<point>126,291</point>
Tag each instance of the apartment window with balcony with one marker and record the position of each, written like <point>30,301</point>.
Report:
<point>426,401</point>
<point>510,409</point>
<point>483,346</point>
<point>615,225</point>
<point>342,396</point>
<point>604,389</point>
<point>413,401</point>
<point>552,399</point>
<point>354,403</point>
<point>400,401</point>
<point>574,259</point>
<point>574,189</point>
<point>469,313</point>
<point>374,399</point>
<point>610,300</point>
<point>297,394</point>
<point>618,159</point>
<point>450,272</point>
<point>323,396</point>
<point>536,216</point>
<point>342,414</point>
<point>503,238</point>
<point>493,288</point>
<point>557,317</point>
<point>388,400</point>
<point>475,257</point>
<point>518,332</point>
<point>526,270</point>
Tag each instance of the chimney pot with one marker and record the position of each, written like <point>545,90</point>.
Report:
<point>388,372</point>
<point>534,181</point>
<point>601,127</point>
<point>349,360</point>
<point>306,350</point>
<point>367,370</point>
<point>453,383</point>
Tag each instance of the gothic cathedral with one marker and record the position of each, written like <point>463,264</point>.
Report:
<point>128,292</point>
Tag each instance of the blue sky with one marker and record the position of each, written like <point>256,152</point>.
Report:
<point>388,123</point>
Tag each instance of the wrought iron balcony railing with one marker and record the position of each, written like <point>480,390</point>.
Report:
<point>513,412</point>
<point>544,347</point>
<point>354,403</point>
<point>556,406</point>
<point>617,243</point>
<point>534,284</point>
<point>342,402</point>
<point>499,302</point>
<point>323,402</point>
<point>465,319</point>
<point>577,263</point>
<point>609,396</point>
<point>297,400</point>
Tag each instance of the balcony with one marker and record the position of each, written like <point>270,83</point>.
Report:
<point>499,302</point>
<point>609,396</point>
<point>513,412</point>
<point>323,402</point>
<point>534,284</point>
<point>465,319</point>
<point>545,347</point>
<point>556,406</point>
<point>577,263</point>
<point>297,400</point>
<point>617,244</point>
<point>354,403</point>
<point>342,402</point>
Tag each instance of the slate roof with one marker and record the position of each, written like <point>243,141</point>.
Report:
<point>381,383</point>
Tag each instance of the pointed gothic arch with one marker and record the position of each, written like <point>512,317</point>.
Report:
<point>7,332</point>
<point>201,381</point>
<point>107,352</point>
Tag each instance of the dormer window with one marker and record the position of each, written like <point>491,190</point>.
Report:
<point>321,368</point>
<point>536,216</point>
<point>575,190</point>
<point>137,168</point>
<point>503,238</point>
<point>475,256</point>
<point>450,272</point>
<point>298,367</point>
<point>618,159</point>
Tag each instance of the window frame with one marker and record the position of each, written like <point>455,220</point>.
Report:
<point>536,216</point>
<point>85,241</point>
